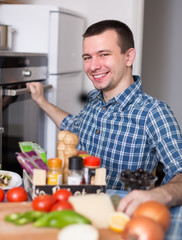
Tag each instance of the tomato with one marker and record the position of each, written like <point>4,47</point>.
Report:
<point>58,206</point>
<point>81,152</point>
<point>17,194</point>
<point>143,228</point>
<point>43,203</point>
<point>2,195</point>
<point>62,194</point>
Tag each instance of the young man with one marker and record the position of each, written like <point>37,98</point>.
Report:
<point>122,125</point>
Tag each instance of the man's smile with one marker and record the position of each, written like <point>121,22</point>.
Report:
<point>99,76</point>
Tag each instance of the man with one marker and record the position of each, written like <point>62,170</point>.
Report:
<point>121,124</point>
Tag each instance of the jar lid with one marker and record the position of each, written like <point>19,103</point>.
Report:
<point>54,163</point>
<point>84,155</point>
<point>75,163</point>
<point>92,161</point>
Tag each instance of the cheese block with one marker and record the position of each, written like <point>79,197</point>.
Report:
<point>96,207</point>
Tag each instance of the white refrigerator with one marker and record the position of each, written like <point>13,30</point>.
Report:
<point>57,32</point>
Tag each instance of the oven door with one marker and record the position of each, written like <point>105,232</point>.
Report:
<point>22,120</point>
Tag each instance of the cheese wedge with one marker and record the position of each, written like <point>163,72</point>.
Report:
<point>96,207</point>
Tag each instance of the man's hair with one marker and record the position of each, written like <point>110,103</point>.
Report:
<point>125,35</point>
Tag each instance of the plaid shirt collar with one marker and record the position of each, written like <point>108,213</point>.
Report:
<point>124,98</point>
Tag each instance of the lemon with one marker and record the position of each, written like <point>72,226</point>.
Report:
<point>117,221</point>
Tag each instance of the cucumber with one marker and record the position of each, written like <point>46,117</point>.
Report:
<point>60,219</point>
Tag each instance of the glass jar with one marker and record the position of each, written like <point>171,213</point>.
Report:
<point>91,163</point>
<point>75,175</point>
<point>54,174</point>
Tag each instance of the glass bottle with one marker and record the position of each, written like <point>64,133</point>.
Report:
<point>91,163</point>
<point>75,174</point>
<point>54,174</point>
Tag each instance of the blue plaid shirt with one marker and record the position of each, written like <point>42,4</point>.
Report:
<point>130,131</point>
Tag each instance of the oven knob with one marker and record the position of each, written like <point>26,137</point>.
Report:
<point>27,73</point>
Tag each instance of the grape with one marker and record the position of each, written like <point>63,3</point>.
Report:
<point>138,179</point>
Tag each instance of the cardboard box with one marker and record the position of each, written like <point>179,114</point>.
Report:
<point>35,190</point>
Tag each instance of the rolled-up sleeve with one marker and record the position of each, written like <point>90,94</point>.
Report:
<point>165,136</point>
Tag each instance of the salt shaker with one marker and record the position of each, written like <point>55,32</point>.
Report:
<point>75,173</point>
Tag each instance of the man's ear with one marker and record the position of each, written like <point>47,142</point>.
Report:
<point>130,57</point>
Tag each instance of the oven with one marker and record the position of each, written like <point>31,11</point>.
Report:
<point>20,117</point>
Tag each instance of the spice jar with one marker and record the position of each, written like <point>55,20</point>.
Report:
<point>54,174</point>
<point>75,174</point>
<point>91,163</point>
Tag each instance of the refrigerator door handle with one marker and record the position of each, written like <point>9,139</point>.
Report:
<point>16,92</point>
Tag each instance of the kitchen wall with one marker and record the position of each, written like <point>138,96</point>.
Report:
<point>162,52</point>
<point>128,11</point>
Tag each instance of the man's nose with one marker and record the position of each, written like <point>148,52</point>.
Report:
<point>95,64</point>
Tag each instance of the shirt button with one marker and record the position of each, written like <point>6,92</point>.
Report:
<point>97,131</point>
<point>104,108</point>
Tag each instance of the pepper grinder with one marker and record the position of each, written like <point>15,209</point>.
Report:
<point>67,143</point>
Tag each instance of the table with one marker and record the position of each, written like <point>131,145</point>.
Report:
<point>175,230</point>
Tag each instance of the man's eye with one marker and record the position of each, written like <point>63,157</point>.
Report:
<point>104,54</point>
<point>86,58</point>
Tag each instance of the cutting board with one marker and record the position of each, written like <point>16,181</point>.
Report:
<point>29,232</point>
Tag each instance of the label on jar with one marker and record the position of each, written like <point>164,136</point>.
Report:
<point>54,179</point>
<point>75,179</point>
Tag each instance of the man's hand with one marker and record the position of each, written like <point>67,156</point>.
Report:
<point>129,203</point>
<point>168,194</point>
<point>37,91</point>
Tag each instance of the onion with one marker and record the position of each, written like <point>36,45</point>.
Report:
<point>156,211</point>
<point>143,228</point>
<point>78,232</point>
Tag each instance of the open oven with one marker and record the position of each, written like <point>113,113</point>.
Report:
<point>20,117</point>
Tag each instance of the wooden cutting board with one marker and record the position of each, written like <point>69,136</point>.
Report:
<point>29,232</point>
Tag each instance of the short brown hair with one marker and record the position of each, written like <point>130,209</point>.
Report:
<point>125,35</point>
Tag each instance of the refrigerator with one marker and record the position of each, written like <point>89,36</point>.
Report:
<point>57,32</point>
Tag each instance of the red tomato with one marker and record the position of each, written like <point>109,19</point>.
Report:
<point>2,195</point>
<point>62,205</point>
<point>43,203</point>
<point>62,195</point>
<point>17,194</point>
<point>81,152</point>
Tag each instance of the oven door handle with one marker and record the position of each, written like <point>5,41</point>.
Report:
<point>16,92</point>
<point>1,130</point>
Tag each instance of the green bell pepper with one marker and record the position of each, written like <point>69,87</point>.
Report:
<point>60,219</point>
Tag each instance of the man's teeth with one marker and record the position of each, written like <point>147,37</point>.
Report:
<point>99,76</point>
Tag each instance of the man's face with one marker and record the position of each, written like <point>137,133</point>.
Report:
<point>104,63</point>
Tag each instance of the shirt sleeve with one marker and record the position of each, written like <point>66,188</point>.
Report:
<point>71,123</point>
<point>165,137</point>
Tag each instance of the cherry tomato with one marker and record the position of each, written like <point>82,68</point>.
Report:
<point>62,195</point>
<point>2,195</point>
<point>17,194</point>
<point>62,205</point>
<point>43,203</point>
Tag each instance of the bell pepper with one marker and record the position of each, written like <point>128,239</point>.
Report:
<point>23,218</point>
<point>60,219</point>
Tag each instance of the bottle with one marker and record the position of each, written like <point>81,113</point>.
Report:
<point>75,173</point>
<point>54,174</point>
<point>91,163</point>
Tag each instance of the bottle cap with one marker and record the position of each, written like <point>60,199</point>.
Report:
<point>54,163</point>
<point>92,161</point>
<point>75,163</point>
